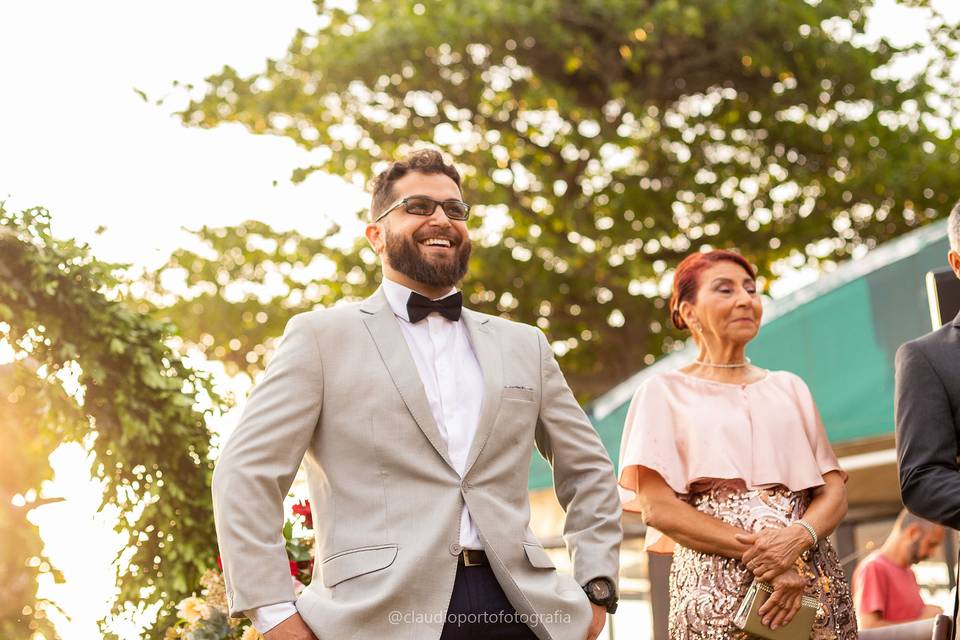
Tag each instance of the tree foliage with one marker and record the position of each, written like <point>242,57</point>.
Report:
<point>24,405</point>
<point>90,369</point>
<point>611,137</point>
<point>235,296</point>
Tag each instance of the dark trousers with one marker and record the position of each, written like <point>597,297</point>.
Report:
<point>479,609</point>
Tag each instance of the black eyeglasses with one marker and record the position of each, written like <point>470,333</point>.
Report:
<point>425,206</point>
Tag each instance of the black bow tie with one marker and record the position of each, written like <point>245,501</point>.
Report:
<point>419,307</point>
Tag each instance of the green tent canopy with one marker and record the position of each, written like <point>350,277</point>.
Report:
<point>840,334</point>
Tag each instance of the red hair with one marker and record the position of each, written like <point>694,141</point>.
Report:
<point>686,279</point>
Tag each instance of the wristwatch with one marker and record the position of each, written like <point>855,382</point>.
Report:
<point>600,591</point>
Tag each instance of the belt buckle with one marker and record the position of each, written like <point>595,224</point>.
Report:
<point>466,559</point>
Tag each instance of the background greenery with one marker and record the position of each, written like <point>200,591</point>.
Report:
<point>90,369</point>
<point>603,140</point>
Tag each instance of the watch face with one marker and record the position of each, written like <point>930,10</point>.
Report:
<point>600,589</point>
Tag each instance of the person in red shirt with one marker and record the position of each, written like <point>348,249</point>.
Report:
<point>885,588</point>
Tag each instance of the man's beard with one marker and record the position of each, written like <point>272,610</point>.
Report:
<point>914,552</point>
<point>404,255</point>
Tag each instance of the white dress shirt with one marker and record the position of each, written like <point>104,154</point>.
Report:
<point>453,383</point>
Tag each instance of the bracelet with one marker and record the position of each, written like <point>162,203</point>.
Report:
<point>813,534</point>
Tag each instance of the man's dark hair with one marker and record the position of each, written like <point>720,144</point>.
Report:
<point>422,160</point>
<point>953,228</point>
<point>906,519</point>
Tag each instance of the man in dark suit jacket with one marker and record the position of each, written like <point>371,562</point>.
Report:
<point>928,413</point>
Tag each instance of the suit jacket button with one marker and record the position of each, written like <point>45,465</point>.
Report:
<point>455,549</point>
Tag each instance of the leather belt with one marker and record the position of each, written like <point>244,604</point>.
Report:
<point>473,558</point>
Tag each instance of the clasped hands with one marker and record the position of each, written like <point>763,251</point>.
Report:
<point>771,558</point>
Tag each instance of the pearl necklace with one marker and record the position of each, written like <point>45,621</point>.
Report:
<point>737,365</point>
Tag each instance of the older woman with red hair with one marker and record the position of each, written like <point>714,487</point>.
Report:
<point>730,468</point>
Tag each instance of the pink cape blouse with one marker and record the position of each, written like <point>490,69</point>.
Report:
<point>689,429</point>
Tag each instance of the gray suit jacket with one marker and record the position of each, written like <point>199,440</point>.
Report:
<point>342,393</point>
<point>928,424</point>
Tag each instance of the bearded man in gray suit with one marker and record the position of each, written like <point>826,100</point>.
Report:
<point>416,418</point>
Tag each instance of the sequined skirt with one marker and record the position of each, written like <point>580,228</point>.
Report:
<point>706,589</point>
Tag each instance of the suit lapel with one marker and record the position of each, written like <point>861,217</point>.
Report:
<point>487,348</point>
<point>385,331</point>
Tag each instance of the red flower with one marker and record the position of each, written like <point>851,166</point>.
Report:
<point>303,509</point>
<point>294,571</point>
<point>219,563</point>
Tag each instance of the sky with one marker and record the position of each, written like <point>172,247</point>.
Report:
<point>76,138</point>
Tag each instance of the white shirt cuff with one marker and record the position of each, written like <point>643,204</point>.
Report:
<point>268,616</point>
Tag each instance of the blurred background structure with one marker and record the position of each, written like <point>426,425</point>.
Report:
<point>600,141</point>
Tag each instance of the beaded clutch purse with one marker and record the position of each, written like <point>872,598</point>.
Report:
<point>748,618</point>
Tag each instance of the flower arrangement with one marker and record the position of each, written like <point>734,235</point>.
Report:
<point>300,548</point>
<point>206,617</point>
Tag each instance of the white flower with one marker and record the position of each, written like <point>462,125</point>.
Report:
<point>251,634</point>
<point>192,609</point>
